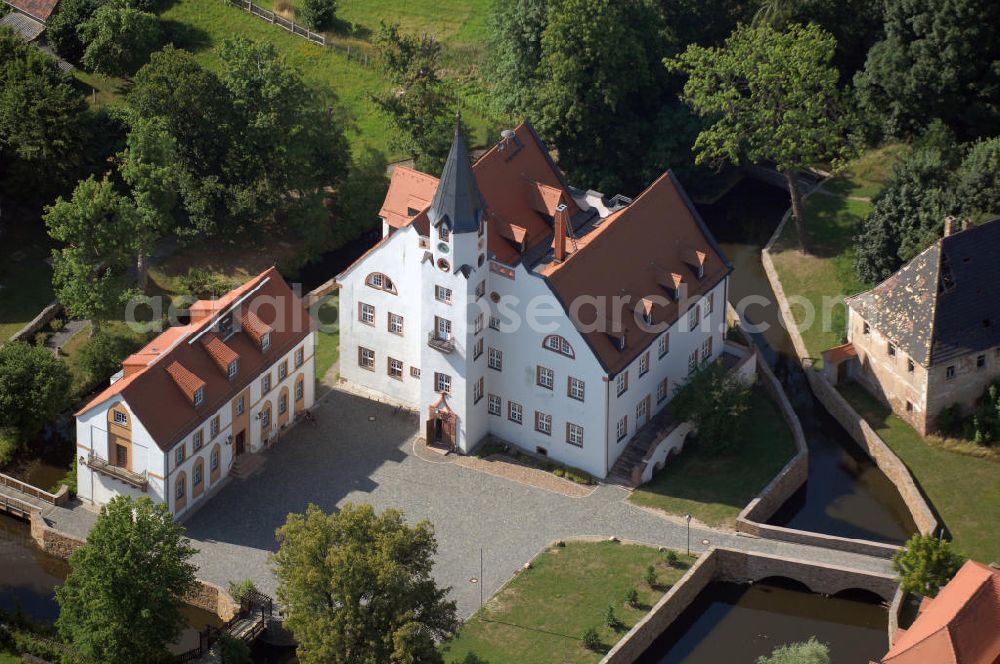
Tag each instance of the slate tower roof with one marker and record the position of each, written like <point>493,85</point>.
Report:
<point>943,303</point>
<point>457,202</point>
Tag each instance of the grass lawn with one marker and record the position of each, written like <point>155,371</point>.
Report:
<point>714,488</point>
<point>25,276</point>
<point>825,274</point>
<point>9,658</point>
<point>540,616</point>
<point>201,26</point>
<point>964,490</point>
<point>327,342</point>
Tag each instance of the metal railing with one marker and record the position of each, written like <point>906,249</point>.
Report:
<point>138,480</point>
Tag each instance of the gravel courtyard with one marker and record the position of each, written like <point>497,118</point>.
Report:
<point>347,456</point>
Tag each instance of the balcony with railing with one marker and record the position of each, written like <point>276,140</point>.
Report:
<point>105,467</point>
<point>437,342</point>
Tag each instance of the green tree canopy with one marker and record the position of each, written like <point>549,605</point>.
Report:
<point>357,587</point>
<point>319,14</point>
<point>34,388</point>
<point>42,128</point>
<point>515,45</point>
<point>419,107</point>
<point>119,39</point>
<point>98,226</point>
<point>807,652</point>
<point>771,96</point>
<point>977,189</point>
<point>908,214</point>
<point>716,402</point>
<point>938,59</point>
<point>925,564</point>
<point>63,28</point>
<point>122,600</point>
<point>101,356</point>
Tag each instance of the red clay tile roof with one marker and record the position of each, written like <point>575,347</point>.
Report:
<point>187,381</point>
<point>959,626</point>
<point>254,325</point>
<point>410,192</point>
<point>40,9</point>
<point>151,391</point>
<point>220,352</point>
<point>839,353</point>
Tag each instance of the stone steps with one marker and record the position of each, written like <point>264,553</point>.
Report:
<point>246,465</point>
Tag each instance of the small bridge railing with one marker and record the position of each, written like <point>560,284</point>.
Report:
<point>33,491</point>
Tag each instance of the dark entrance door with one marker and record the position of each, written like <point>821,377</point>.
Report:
<point>121,456</point>
<point>241,443</point>
<point>437,430</point>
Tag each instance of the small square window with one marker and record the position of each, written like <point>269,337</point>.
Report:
<point>544,377</point>
<point>543,423</point>
<point>395,323</point>
<point>574,434</point>
<point>366,313</point>
<point>949,373</point>
<point>366,358</point>
<point>494,404</point>
<point>496,359</point>
<point>442,382</point>
<point>576,389</point>
<point>414,372</point>
<point>514,412</point>
<point>494,323</point>
<point>981,362</point>
<point>442,294</point>
<point>120,417</point>
<point>395,368</point>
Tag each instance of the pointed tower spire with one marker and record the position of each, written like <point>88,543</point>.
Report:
<point>457,201</point>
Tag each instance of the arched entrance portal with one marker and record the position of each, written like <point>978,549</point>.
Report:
<point>442,425</point>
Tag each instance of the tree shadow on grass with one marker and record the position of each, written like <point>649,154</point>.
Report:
<point>185,35</point>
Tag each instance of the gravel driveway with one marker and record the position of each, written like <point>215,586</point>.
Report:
<point>361,451</point>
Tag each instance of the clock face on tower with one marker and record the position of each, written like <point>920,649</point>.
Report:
<point>443,247</point>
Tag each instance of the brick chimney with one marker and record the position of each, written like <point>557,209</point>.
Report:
<point>949,225</point>
<point>559,237</point>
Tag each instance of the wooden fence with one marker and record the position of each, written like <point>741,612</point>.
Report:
<point>33,491</point>
<point>353,52</point>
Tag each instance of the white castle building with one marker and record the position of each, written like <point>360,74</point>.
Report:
<point>503,301</point>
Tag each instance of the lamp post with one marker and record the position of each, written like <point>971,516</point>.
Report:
<point>687,517</point>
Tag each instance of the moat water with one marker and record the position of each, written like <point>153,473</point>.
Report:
<point>737,623</point>
<point>846,493</point>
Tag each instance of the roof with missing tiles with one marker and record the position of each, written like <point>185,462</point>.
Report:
<point>942,304</point>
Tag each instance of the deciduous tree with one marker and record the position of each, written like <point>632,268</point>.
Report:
<point>357,587</point>
<point>807,652</point>
<point>925,564</point>
<point>716,402</point>
<point>939,59</point>
<point>515,44</point>
<point>34,388</point>
<point>319,14</point>
<point>771,96</point>
<point>118,39</point>
<point>122,600</point>
<point>97,225</point>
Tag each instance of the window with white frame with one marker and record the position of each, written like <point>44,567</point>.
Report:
<point>494,323</point>
<point>265,383</point>
<point>300,354</point>
<point>197,475</point>
<point>480,289</point>
<point>395,323</point>
<point>477,390</point>
<point>415,372</point>
<point>496,359</point>
<point>644,364</point>
<point>640,411</point>
<point>366,313</point>
<point>199,396</point>
<point>479,323</point>
<point>622,382</point>
<point>543,423</point>
<point>265,341</point>
<point>283,370</point>
<point>514,412</point>
<point>395,368</point>
<point>380,281</point>
<point>558,344</point>
<point>366,358</point>
<point>442,382</point>
<point>197,440</point>
<point>692,362</point>
<point>694,317</point>
<point>213,459</point>
<point>234,368</point>
<point>706,349</point>
<point>575,389</point>
<point>120,417</point>
<point>545,377</point>
<point>663,345</point>
<point>179,455</point>
<point>477,350</point>
<point>299,390</point>
<point>710,304</point>
<point>661,391</point>
<point>213,427</point>
<point>282,403</point>
<point>265,419</point>
<point>574,434</point>
<point>442,294</point>
<point>495,404</point>
<point>240,405</point>
<point>442,328</point>
<point>179,486</point>
<point>622,428</point>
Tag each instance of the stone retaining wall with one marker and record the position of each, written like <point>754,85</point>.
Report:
<point>206,595</point>
<point>741,567</point>
<point>28,332</point>
<point>863,434</point>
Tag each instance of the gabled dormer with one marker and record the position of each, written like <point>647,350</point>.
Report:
<point>695,259</point>
<point>224,357</point>
<point>191,385</point>
<point>671,282</point>
<point>258,330</point>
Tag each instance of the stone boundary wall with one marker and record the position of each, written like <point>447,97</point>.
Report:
<point>206,595</point>
<point>720,564</point>
<point>895,609</point>
<point>45,317</point>
<point>843,412</point>
<point>321,291</point>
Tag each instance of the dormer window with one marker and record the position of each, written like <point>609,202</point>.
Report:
<point>120,418</point>
<point>380,281</point>
<point>265,341</point>
<point>234,368</point>
<point>199,396</point>
<point>225,328</point>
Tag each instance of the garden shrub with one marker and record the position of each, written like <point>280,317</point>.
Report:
<point>240,589</point>
<point>591,640</point>
<point>203,284</point>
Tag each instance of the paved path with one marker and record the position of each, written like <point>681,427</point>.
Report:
<point>361,451</point>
